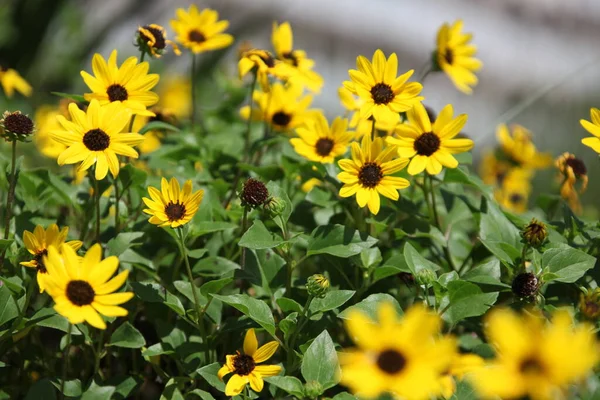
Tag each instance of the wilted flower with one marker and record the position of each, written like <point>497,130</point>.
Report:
<point>535,233</point>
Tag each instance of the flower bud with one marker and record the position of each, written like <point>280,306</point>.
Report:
<point>425,277</point>
<point>525,285</point>
<point>535,233</point>
<point>317,285</point>
<point>313,389</point>
<point>274,206</point>
<point>589,304</point>
<point>254,193</point>
<point>16,126</point>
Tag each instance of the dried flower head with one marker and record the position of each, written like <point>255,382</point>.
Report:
<point>16,126</point>
<point>254,193</point>
<point>525,285</point>
<point>152,39</point>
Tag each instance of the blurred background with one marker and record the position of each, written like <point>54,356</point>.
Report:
<point>540,56</point>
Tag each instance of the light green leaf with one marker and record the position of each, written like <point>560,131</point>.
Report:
<point>486,274</point>
<point>567,264</point>
<point>259,237</point>
<point>171,391</point>
<point>209,373</point>
<point>255,309</point>
<point>155,293</point>
<point>416,262</point>
<point>204,227</point>
<point>339,241</point>
<point>276,191</point>
<point>320,362</point>
<point>158,126</point>
<point>199,393</point>
<point>332,300</point>
<point>370,305</point>
<point>128,336</point>
<point>95,392</point>
<point>290,384</point>
<point>123,241</point>
<point>8,306</point>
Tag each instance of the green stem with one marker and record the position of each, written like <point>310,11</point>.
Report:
<point>117,201</point>
<point>97,195</point>
<point>65,362</point>
<point>300,324</point>
<point>436,220</point>
<point>428,69</point>
<point>244,223</point>
<point>373,130</point>
<point>131,121</point>
<point>142,56</point>
<point>523,255</point>
<point>10,196</point>
<point>98,353</point>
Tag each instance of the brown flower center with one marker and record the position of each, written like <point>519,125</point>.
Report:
<point>516,198</point>
<point>174,211</point>
<point>370,174</point>
<point>577,165</point>
<point>243,364</point>
<point>116,92</point>
<point>39,261</point>
<point>96,140</point>
<point>427,144</point>
<point>196,36</point>
<point>18,123</point>
<point>281,118</point>
<point>159,38</point>
<point>324,146</point>
<point>449,56</point>
<point>391,361</point>
<point>531,365</point>
<point>268,59</point>
<point>292,57</point>
<point>80,293</point>
<point>382,93</point>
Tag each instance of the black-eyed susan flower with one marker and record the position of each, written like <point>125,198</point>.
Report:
<point>431,146</point>
<point>254,193</point>
<point>462,365</point>
<point>493,169</point>
<point>12,81</point>
<point>367,174</point>
<point>360,125</point>
<point>37,244</point>
<point>513,193</point>
<point>519,149</point>
<point>46,122</point>
<point>383,93</point>
<point>129,84</point>
<point>244,366</point>
<point>589,303</point>
<point>152,39</point>
<point>171,206</point>
<point>200,31</point>
<point>533,357</point>
<point>404,357</point>
<point>573,177</point>
<point>95,137</point>
<point>82,288</point>
<point>455,56</point>
<point>265,66</point>
<point>321,143</point>
<point>16,126</point>
<point>592,127</point>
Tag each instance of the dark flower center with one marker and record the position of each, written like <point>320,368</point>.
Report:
<point>254,193</point>
<point>159,38</point>
<point>268,59</point>
<point>281,118</point>
<point>292,57</point>
<point>39,261</point>
<point>382,93</point>
<point>196,36</point>
<point>116,92</point>
<point>591,308</point>
<point>391,361</point>
<point>516,198</point>
<point>174,211</point>
<point>531,366</point>
<point>427,144</point>
<point>80,293</point>
<point>18,123</point>
<point>324,146</point>
<point>449,56</point>
<point>525,285</point>
<point>243,364</point>
<point>96,140</point>
<point>370,174</point>
<point>577,165</point>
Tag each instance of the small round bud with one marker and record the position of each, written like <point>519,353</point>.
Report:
<point>317,285</point>
<point>274,206</point>
<point>525,285</point>
<point>425,277</point>
<point>16,126</point>
<point>589,304</point>
<point>535,233</point>
<point>313,389</point>
<point>254,193</point>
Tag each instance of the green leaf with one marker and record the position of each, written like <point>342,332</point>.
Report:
<point>155,293</point>
<point>320,362</point>
<point>290,384</point>
<point>259,237</point>
<point>332,300</point>
<point>201,394</point>
<point>42,389</point>
<point>171,391</point>
<point>215,266</point>
<point>370,305</point>
<point>289,324</point>
<point>8,306</point>
<point>123,241</point>
<point>499,235</point>
<point>486,274</point>
<point>128,336</point>
<point>49,318</point>
<point>72,387</point>
<point>276,191</point>
<point>5,243</point>
<point>416,262</point>
<point>156,350</point>
<point>343,396</point>
<point>158,126</point>
<point>288,305</point>
<point>78,98</point>
<point>95,392</point>
<point>567,263</point>
<point>465,299</point>
<point>255,309</point>
<point>209,373</point>
<point>205,227</point>
<point>370,257</point>
<point>339,241</point>
<point>214,286</point>
<point>457,175</point>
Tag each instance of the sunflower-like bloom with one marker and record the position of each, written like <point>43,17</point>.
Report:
<point>589,303</point>
<point>171,206</point>
<point>367,174</point>
<point>493,169</point>
<point>284,108</point>
<point>46,122</point>
<point>318,142</point>
<point>514,190</point>
<point>174,92</point>
<point>265,66</point>
<point>200,31</point>
<point>152,39</point>
<point>455,56</point>
<point>283,43</point>
<point>430,145</point>
<point>573,177</point>
<point>244,366</point>
<point>519,149</point>
<point>384,95</point>
<point>404,357</point>
<point>82,288</point>
<point>462,365</point>
<point>535,358</point>
<point>94,136</point>
<point>363,126</point>
<point>129,84</point>
<point>593,128</point>
<point>11,80</point>
<point>37,244</point>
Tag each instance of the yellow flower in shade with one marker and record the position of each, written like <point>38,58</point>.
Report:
<point>174,92</point>
<point>310,184</point>
<point>384,95</point>
<point>171,206</point>
<point>283,107</point>
<point>46,122</point>
<point>244,366</point>
<point>94,136</point>
<point>573,177</point>
<point>462,365</point>
<point>265,66</point>
<point>519,149</point>
<point>492,169</point>
<point>38,242</point>
<point>283,43</point>
<point>593,128</point>
<point>129,84</point>
<point>515,188</point>
<point>11,81</point>
<point>152,39</point>
<point>200,31</point>
<point>431,146</point>
<point>589,303</point>
<point>404,357</point>
<point>360,125</point>
<point>82,288</point>
<point>367,174</point>
<point>533,357</point>
<point>318,142</point>
<point>455,56</point>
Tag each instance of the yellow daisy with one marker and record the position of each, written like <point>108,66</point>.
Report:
<point>94,136</point>
<point>11,80</point>
<point>360,125</point>
<point>462,365</point>
<point>174,92</point>
<point>404,357</point>
<point>573,178</point>
<point>46,122</point>
<point>38,242</point>
<point>519,149</point>
<point>129,84</point>
<point>171,206</point>
<point>535,358</point>
<point>82,288</point>
<point>593,128</point>
<point>492,169</point>
<point>455,56</point>
<point>265,66</point>
<point>152,39</point>
<point>367,174</point>
<point>514,190</point>
<point>244,368</point>
<point>384,95</point>
<point>200,31</point>
<point>318,142</point>
<point>430,145</point>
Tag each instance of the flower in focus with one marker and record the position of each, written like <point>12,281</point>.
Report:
<point>265,66</point>
<point>384,95</point>
<point>152,39</point>
<point>535,358</point>
<point>94,137</point>
<point>244,366</point>
<point>574,179</point>
<point>318,142</point>
<point>200,31</point>
<point>455,56</point>
<point>46,122</point>
<point>38,242</point>
<point>317,285</point>
<point>11,80</point>
<point>513,193</point>
<point>404,357</point>
<point>462,365</point>
<point>254,193</point>
<point>171,206</point>
<point>360,125</point>
<point>593,128</point>
<point>82,288</point>
<point>430,145</point>
<point>367,174</point>
<point>518,148</point>
<point>129,84</point>
<point>589,303</point>
<point>16,126</point>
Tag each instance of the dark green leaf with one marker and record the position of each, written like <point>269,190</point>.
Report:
<point>332,300</point>
<point>465,300</point>
<point>204,227</point>
<point>42,389</point>
<point>209,373</point>
<point>259,237</point>
<point>171,391</point>
<point>95,392</point>
<point>78,98</point>
<point>416,262</point>
<point>158,126</point>
<point>339,241</point>
<point>128,336</point>
<point>215,266</point>
<point>485,274</point>
<point>124,240</point>
<point>199,393</point>
<point>288,305</point>
<point>370,305</point>
<point>8,306</point>
<point>255,309</point>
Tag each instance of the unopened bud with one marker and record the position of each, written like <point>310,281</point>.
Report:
<point>317,285</point>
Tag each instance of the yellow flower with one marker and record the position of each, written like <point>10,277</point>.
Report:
<point>152,39</point>
<point>535,358</point>
<point>265,66</point>
<point>462,365</point>
<point>94,136</point>
<point>171,206</point>
<point>404,357</point>
<point>360,125</point>
<point>129,84</point>
<point>383,94</point>
<point>455,56</point>
<point>318,142</point>
<point>244,368</point>
<point>174,92</point>
<point>11,81</point>
<point>152,138</point>
<point>283,43</point>
<point>519,149</point>
<point>492,169</point>
<point>367,174</point>
<point>38,242</point>
<point>200,31</point>
<point>515,188</point>
<point>430,145</point>
<point>82,288</point>
<point>572,171</point>
<point>593,128</point>
<point>310,184</point>
<point>46,122</point>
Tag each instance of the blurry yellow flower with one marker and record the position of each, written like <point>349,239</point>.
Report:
<point>265,66</point>
<point>573,177</point>
<point>174,92</point>
<point>152,39</point>
<point>152,138</point>
<point>492,169</point>
<point>515,188</point>
<point>200,31</point>
<point>11,81</point>
<point>318,142</point>
<point>519,149</point>
<point>589,304</point>
<point>310,184</point>
<point>360,125</point>
<point>593,128</point>
<point>462,364</point>
<point>46,122</point>
<point>172,206</point>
